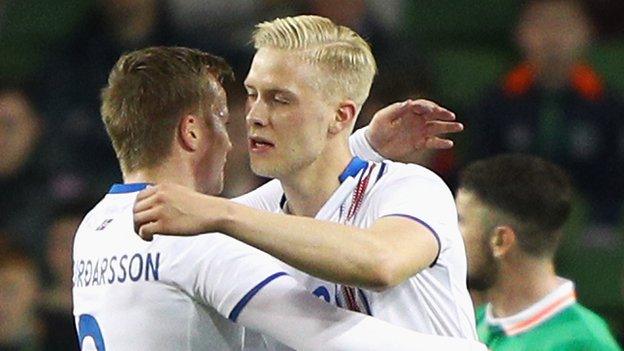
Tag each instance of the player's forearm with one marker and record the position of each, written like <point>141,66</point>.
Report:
<point>334,252</point>
<point>304,322</point>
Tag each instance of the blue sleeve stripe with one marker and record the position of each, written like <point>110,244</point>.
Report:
<point>437,237</point>
<point>245,300</point>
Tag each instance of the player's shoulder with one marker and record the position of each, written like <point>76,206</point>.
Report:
<point>102,210</point>
<point>398,170</point>
<point>588,328</point>
<point>585,319</point>
<point>205,247</point>
<point>416,177</point>
<point>108,210</point>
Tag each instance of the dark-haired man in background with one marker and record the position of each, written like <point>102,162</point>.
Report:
<point>511,209</point>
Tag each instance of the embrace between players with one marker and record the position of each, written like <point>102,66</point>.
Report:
<point>360,232</point>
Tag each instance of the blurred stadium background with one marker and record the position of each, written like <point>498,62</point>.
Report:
<point>55,159</point>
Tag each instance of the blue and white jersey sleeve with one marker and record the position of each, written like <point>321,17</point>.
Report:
<point>416,193</point>
<point>266,197</point>
<point>219,271</point>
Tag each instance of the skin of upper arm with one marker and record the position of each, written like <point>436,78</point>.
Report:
<point>408,247</point>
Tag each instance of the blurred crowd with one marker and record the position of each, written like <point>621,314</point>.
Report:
<point>544,77</point>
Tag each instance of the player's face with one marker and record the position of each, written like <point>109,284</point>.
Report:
<point>214,151</point>
<point>475,226</point>
<point>288,115</point>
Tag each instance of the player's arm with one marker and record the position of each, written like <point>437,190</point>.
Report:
<point>248,287</point>
<point>382,256</point>
<point>285,311</point>
<point>393,249</point>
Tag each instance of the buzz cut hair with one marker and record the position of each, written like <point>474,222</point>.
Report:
<point>533,194</point>
<point>344,57</point>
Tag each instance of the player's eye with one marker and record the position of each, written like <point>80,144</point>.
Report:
<point>281,100</point>
<point>251,94</point>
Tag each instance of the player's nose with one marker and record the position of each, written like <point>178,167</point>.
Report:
<point>257,116</point>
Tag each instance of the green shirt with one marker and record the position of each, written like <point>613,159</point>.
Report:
<point>557,322</point>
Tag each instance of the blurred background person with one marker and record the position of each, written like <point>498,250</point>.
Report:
<point>554,104</point>
<point>20,328</point>
<point>77,70</point>
<point>24,172</point>
<point>55,308</point>
<point>511,210</point>
<point>223,28</point>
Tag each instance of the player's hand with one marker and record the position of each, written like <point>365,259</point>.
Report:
<point>400,131</point>
<point>171,209</point>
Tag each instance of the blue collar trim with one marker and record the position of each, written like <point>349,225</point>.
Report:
<point>127,188</point>
<point>354,167</point>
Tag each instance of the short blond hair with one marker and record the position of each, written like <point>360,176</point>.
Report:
<point>345,57</point>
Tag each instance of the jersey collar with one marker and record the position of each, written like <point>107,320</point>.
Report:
<point>355,166</point>
<point>550,305</point>
<point>127,188</point>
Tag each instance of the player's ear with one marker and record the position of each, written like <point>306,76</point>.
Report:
<point>190,132</point>
<point>344,117</point>
<point>502,240</point>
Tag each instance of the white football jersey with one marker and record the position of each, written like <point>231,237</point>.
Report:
<point>172,293</point>
<point>434,301</point>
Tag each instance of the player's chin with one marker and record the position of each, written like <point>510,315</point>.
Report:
<point>262,168</point>
<point>480,282</point>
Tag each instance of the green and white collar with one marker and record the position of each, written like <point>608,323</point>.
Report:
<point>553,303</point>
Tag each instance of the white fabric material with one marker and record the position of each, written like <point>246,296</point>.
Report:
<point>434,301</point>
<point>359,146</point>
<point>336,329</point>
<point>168,294</point>
<point>175,293</point>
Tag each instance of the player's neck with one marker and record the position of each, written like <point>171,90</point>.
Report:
<point>309,189</point>
<point>167,173</point>
<point>520,285</point>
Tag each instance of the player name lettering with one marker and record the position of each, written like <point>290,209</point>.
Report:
<point>116,269</point>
